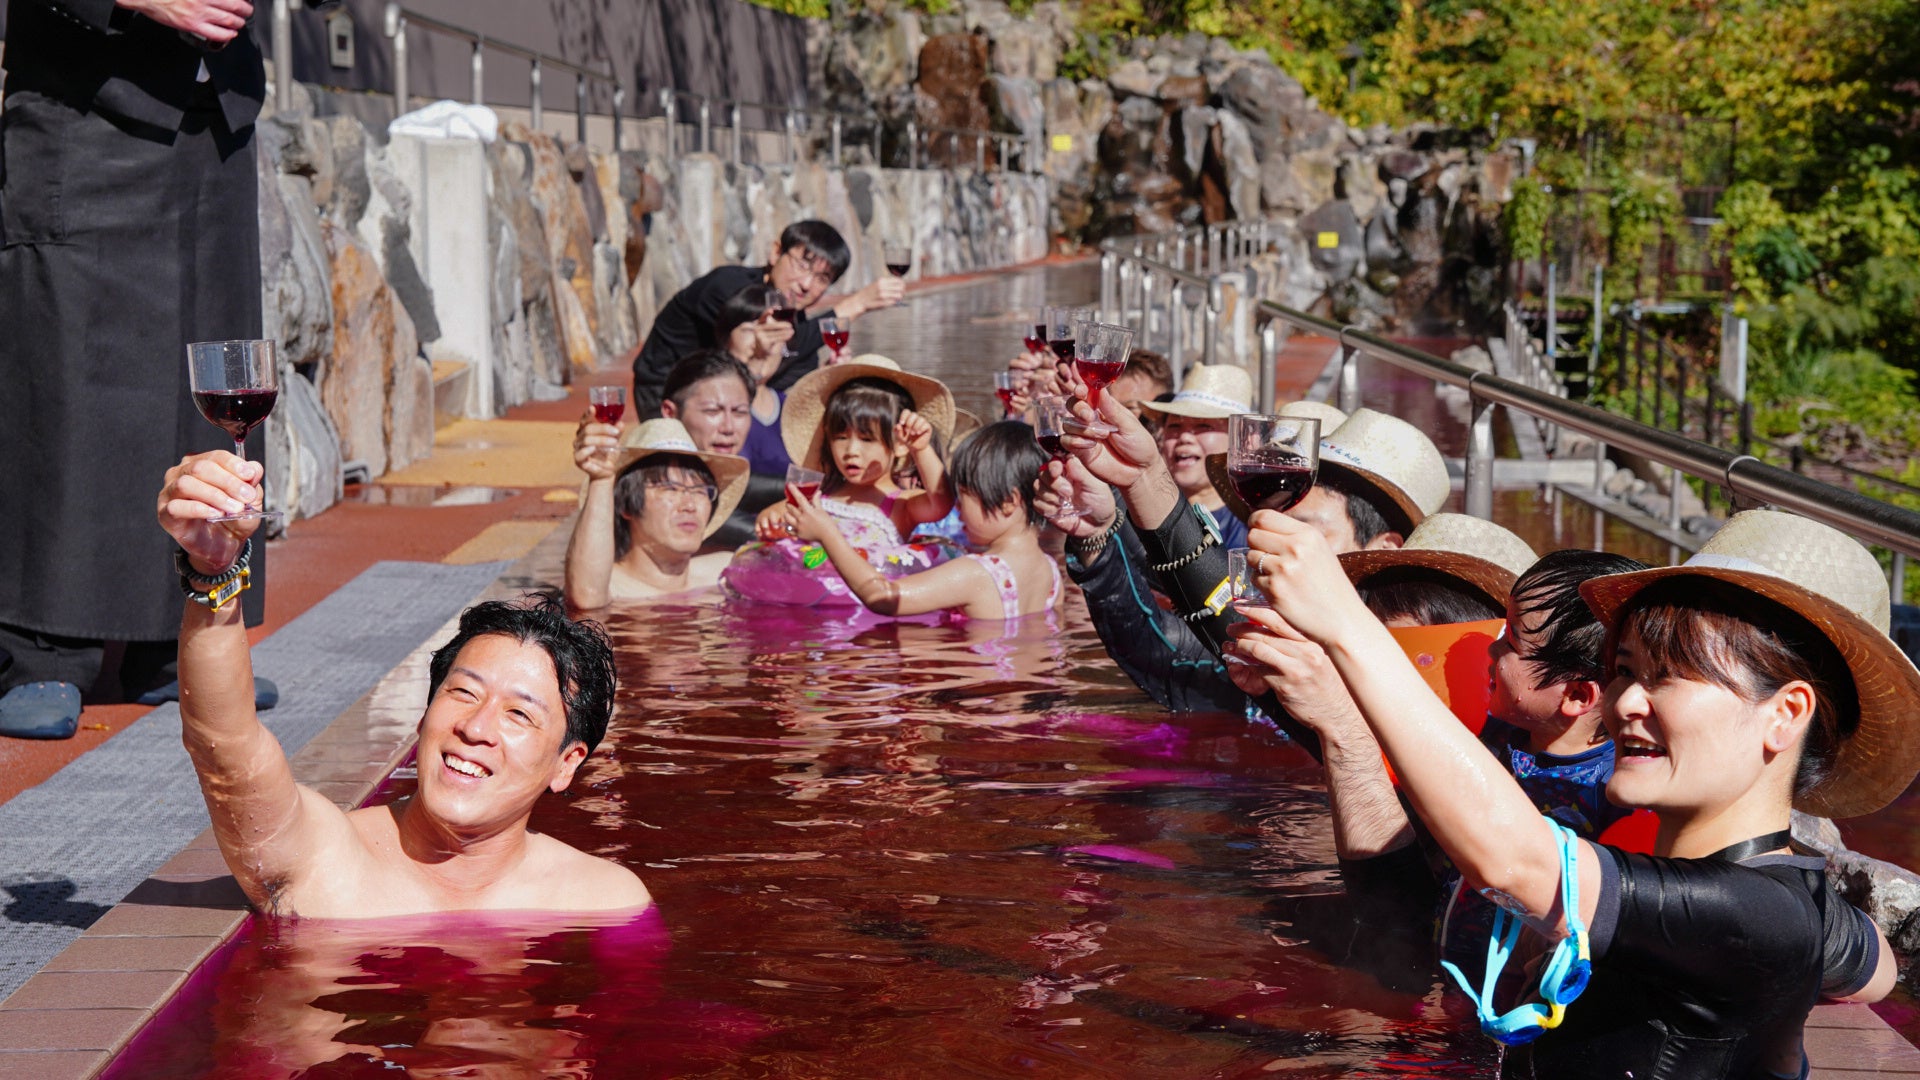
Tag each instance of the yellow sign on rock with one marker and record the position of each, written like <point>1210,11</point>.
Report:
<point>1062,143</point>
<point>1327,240</point>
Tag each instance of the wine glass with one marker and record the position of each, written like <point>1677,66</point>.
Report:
<point>1100,355</point>
<point>804,480</point>
<point>898,258</point>
<point>1244,591</point>
<point>1052,416</point>
<point>1272,460</point>
<point>235,384</point>
<point>609,403</point>
<point>1060,325</point>
<point>1005,385</point>
<point>785,311</point>
<point>1036,339</point>
<point>834,331</point>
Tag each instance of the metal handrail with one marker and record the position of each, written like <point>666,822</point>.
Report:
<point>1745,477</point>
<point>837,119</point>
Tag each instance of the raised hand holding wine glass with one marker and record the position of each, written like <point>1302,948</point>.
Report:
<point>235,385</point>
<point>1272,460</point>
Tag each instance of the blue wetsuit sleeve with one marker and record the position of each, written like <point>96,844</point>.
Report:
<point>1156,650</point>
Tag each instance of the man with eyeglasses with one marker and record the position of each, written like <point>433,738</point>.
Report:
<point>807,259</point>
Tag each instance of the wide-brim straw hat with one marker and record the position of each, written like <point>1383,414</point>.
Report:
<point>1392,457</point>
<point>1211,391</point>
<point>1467,549</point>
<point>662,436</point>
<point>801,418</point>
<point>1329,418</point>
<point>1833,582</point>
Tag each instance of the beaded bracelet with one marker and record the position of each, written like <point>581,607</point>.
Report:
<point>214,592</point>
<point>1206,542</point>
<point>1088,549</point>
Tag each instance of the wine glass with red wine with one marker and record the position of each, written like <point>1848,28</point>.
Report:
<point>804,480</point>
<point>834,331</point>
<point>1100,355</point>
<point>784,310</point>
<point>235,384</point>
<point>609,403</point>
<point>1272,460</point>
<point>899,259</point>
<point>1005,385</point>
<point>1036,338</point>
<point>1053,417</point>
<point>1060,324</point>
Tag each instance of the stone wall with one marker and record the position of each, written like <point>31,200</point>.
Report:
<point>509,267</point>
<point>1392,229</point>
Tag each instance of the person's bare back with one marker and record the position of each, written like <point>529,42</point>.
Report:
<point>516,701</point>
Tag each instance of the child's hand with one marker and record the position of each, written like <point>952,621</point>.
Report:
<point>774,523</point>
<point>913,431</point>
<point>806,520</point>
<point>595,446</point>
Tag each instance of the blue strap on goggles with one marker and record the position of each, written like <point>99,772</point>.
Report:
<point>1561,980</point>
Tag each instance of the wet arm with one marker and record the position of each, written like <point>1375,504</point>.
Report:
<point>589,568</point>
<point>936,501</point>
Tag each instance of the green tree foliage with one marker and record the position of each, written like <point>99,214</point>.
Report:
<point>1524,221</point>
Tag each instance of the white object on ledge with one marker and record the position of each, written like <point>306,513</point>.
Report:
<point>448,120</point>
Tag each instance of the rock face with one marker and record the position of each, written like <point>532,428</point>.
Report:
<point>370,387</point>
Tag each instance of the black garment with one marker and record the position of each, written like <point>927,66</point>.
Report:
<point>685,325</point>
<point>1704,968</point>
<point>762,491</point>
<point>1176,660</point>
<point>121,239</point>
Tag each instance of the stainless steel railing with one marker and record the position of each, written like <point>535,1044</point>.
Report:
<point>1745,478</point>
<point>793,121</point>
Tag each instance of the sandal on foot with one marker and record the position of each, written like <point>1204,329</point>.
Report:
<point>42,710</point>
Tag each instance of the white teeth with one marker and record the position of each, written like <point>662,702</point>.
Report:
<point>465,768</point>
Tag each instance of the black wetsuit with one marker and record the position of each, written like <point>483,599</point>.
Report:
<point>1704,969</point>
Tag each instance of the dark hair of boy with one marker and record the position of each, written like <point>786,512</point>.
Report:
<point>997,462</point>
<point>1547,603</point>
<point>1426,597</point>
<point>820,242</point>
<point>696,368</point>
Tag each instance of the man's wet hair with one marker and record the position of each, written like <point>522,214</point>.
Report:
<point>697,367</point>
<point>741,308</point>
<point>998,462</point>
<point>1426,597</point>
<point>1547,602</point>
<point>1364,512</point>
<point>630,491</point>
<point>818,240</point>
<point>581,654</point>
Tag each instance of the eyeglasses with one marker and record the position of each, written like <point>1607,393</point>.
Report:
<point>813,270</point>
<point>685,492</point>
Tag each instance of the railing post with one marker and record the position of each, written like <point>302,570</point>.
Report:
<point>1479,493</point>
<point>1897,587</point>
<point>1269,363</point>
<point>479,70</point>
<point>667,111</point>
<point>1123,282</point>
<point>1107,271</point>
<point>619,99</point>
<point>1349,378</point>
<point>1553,311</point>
<point>706,124</point>
<point>283,54</point>
<point>1176,319</point>
<point>733,118</point>
<point>1216,302</point>
<point>913,145</point>
<point>1146,317</point>
<point>878,161</point>
<point>397,34</point>
<point>793,149</point>
<point>836,140</point>
<point>979,153</point>
<point>580,108</point>
<point>1180,253</point>
<point>534,105</point>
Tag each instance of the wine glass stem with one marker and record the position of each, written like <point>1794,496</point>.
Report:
<point>240,451</point>
<point>1093,397</point>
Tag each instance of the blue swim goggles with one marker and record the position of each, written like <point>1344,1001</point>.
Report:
<point>1561,981</point>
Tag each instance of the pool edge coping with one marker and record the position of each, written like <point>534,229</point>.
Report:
<point>189,907</point>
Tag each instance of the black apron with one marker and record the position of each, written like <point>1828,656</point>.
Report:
<point>120,241</point>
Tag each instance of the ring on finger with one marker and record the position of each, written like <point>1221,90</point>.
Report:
<point>1260,562</point>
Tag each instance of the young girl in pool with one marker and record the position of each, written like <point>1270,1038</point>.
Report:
<point>995,472</point>
<point>1755,679</point>
<point>861,423</point>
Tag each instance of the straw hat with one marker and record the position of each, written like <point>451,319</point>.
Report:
<point>806,406</point>
<point>1392,457</point>
<point>665,436</point>
<point>1211,391</point>
<point>1827,578</point>
<point>1465,548</point>
<point>1328,416</point>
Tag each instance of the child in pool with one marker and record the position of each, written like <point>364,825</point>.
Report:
<point>995,471</point>
<point>860,423</point>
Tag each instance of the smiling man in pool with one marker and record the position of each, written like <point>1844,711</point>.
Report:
<point>517,700</point>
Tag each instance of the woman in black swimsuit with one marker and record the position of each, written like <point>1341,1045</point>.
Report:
<point>1756,678</point>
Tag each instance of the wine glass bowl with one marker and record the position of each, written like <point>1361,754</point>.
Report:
<point>835,332</point>
<point>1062,323</point>
<point>804,480</point>
<point>898,259</point>
<point>1272,460</point>
<point>1005,385</point>
<point>1035,339</point>
<point>609,403</point>
<point>1100,355</point>
<point>235,385</point>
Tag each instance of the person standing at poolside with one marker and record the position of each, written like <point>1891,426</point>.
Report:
<point>515,702</point>
<point>128,228</point>
<point>803,264</point>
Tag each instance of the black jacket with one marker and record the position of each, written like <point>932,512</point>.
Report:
<point>685,325</point>
<point>96,56</point>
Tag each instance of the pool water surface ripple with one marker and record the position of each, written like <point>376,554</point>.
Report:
<point>875,850</point>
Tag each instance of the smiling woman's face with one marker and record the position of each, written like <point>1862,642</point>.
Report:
<point>1185,441</point>
<point>1680,744</point>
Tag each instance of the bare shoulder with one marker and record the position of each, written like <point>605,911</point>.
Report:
<point>583,882</point>
<point>705,570</point>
